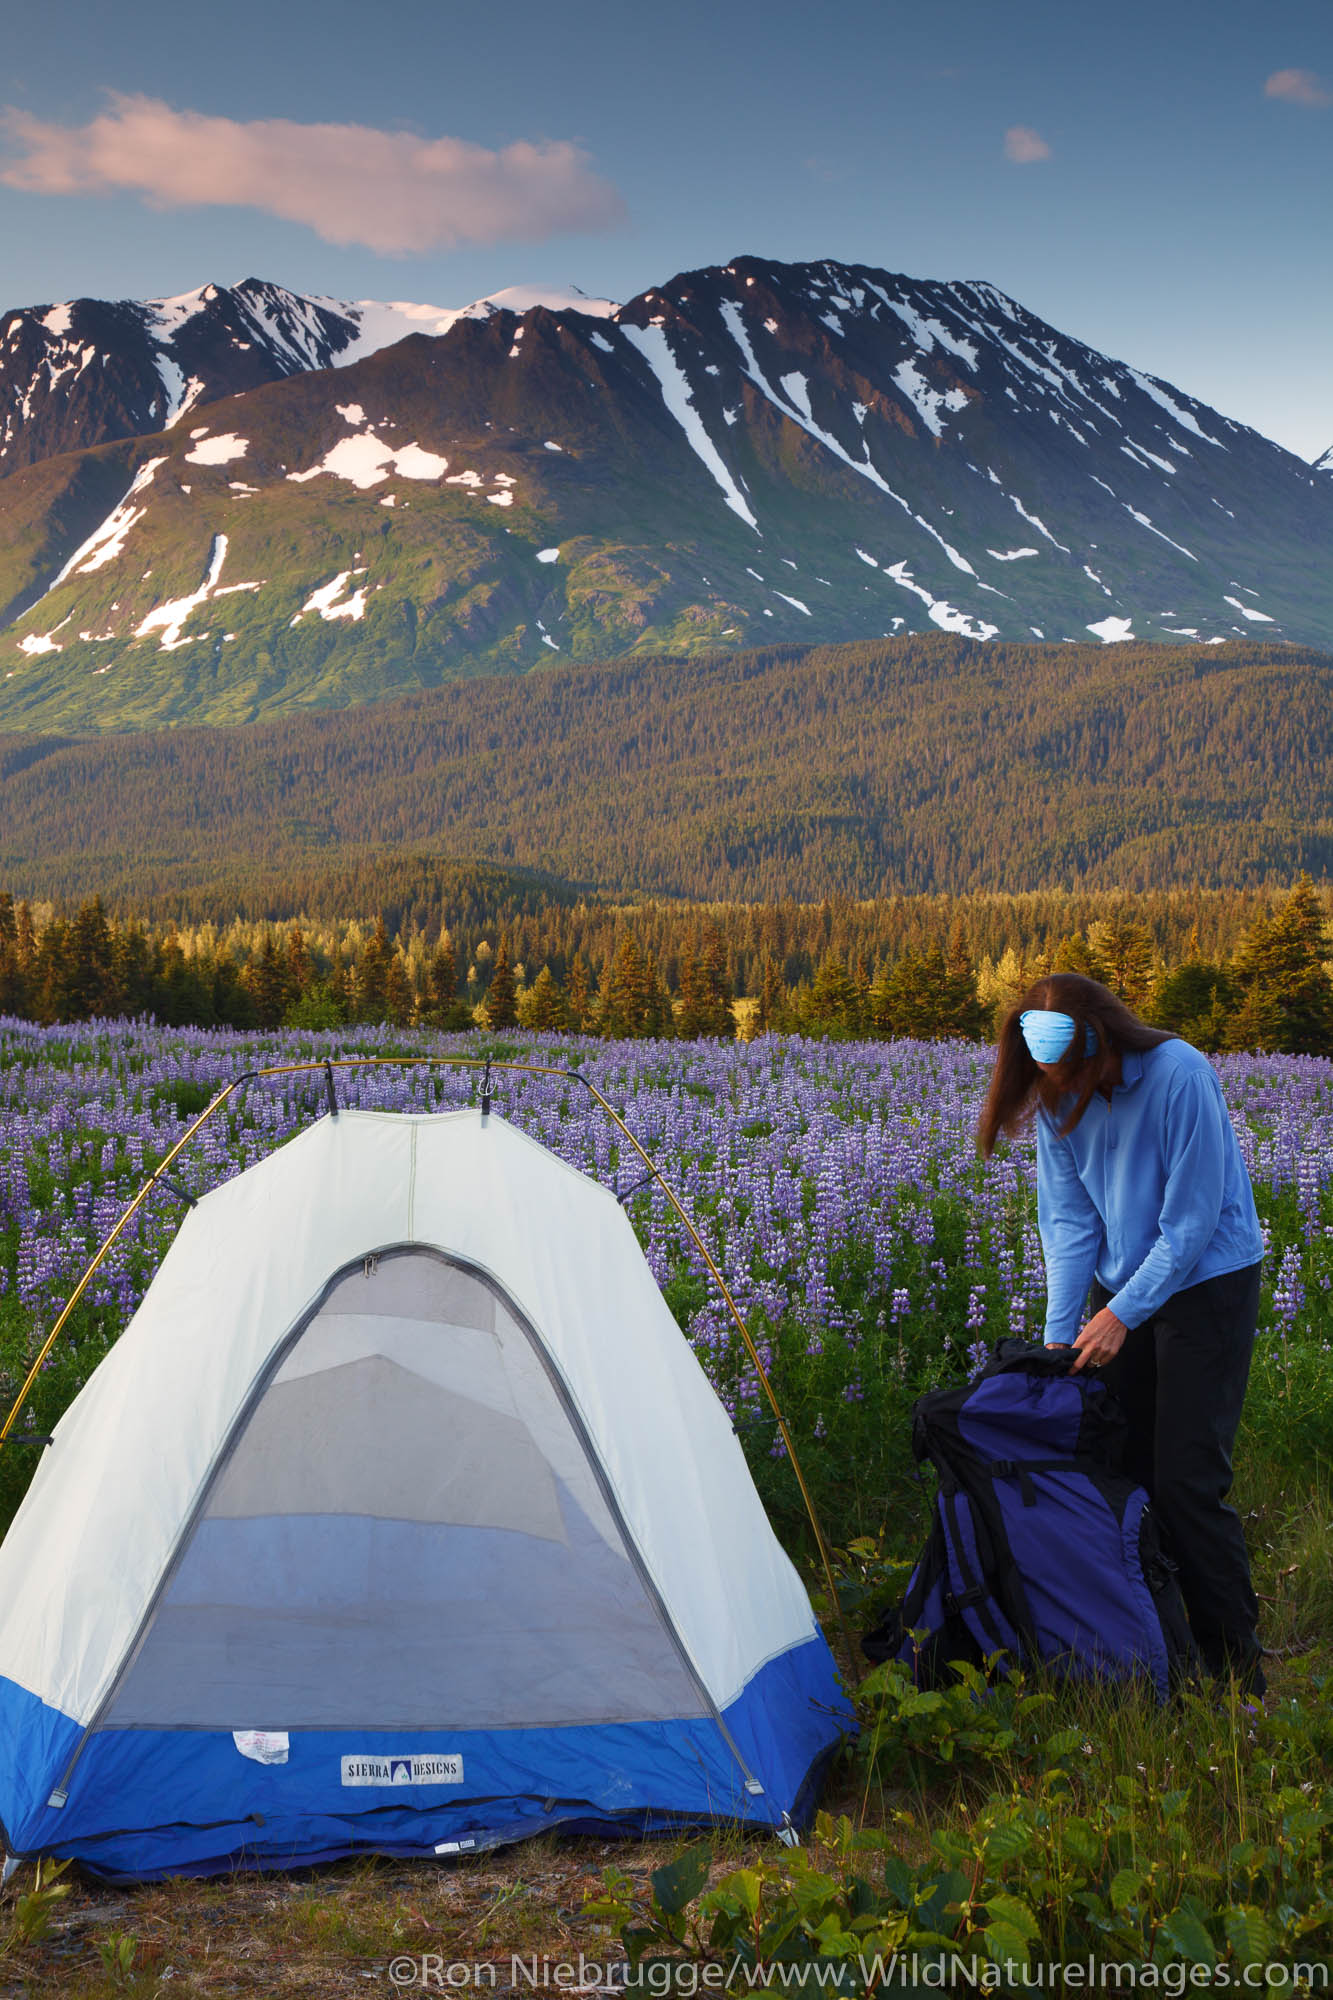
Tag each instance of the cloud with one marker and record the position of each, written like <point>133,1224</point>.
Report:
<point>1299,86</point>
<point>391,191</point>
<point>1023,145</point>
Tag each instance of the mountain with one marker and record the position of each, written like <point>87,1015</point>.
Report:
<point>92,370</point>
<point>905,765</point>
<point>755,452</point>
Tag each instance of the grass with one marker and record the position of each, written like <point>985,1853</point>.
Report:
<point>333,1930</point>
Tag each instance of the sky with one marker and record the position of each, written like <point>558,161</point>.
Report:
<point>1154,179</point>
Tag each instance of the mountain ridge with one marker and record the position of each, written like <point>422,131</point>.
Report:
<point>169,356</point>
<point>752,451</point>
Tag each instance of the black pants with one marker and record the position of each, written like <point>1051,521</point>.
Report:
<point>1180,1379</point>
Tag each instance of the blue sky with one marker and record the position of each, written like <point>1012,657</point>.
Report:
<point>1178,216</point>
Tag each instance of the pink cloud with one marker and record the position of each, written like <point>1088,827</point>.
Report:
<point>391,191</point>
<point>1299,86</point>
<point>1023,145</point>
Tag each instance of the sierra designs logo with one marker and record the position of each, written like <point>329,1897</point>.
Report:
<point>435,1769</point>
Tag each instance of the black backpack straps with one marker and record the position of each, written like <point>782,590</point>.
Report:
<point>1022,1469</point>
<point>971,1594</point>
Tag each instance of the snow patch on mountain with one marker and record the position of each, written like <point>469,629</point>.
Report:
<point>219,450</point>
<point>365,460</point>
<point>1144,522</point>
<point>108,541</point>
<point>1159,394</point>
<point>655,348</point>
<point>926,401</point>
<point>382,324</point>
<point>943,614</point>
<point>181,393</point>
<point>329,602</point>
<point>1248,611</point>
<point>1040,526</point>
<point>171,618</point>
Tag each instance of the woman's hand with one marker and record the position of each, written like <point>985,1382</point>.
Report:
<point>1101,1338</point>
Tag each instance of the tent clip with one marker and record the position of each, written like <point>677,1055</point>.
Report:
<point>623,1194</point>
<point>181,1193</point>
<point>26,1437</point>
<point>328,1085</point>
<point>486,1090</point>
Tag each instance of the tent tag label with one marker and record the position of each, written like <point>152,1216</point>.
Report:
<point>414,1770</point>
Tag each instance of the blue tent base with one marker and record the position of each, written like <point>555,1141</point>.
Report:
<point>391,1835</point>
<point>146,1804</point>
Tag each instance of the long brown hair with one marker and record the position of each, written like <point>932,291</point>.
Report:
<point>1017,1086</point>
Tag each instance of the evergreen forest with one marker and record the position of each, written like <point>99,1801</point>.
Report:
<point>1231,973</point>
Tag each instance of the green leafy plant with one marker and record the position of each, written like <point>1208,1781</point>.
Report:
<point>34,1908</point>
<point>118,1951</point>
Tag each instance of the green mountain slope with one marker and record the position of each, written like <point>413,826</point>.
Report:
<point>917,764</point>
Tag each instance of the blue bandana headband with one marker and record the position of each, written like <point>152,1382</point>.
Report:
<point>1048,1034</point>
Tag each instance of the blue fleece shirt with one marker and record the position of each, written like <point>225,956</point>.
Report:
<point>1148,1193</point>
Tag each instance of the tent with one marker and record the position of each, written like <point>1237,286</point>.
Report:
<point>400,1518</point>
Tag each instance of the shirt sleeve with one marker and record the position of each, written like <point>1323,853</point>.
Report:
<point>1195,1149</point>
<point>1071,1234</point>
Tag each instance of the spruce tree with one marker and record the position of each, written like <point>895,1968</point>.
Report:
<point>88,981</point>
<point>625,1007</point>
<point>831,1009</point>
<point>771,994</point>
<point>399,999</point>
<point>578,999</point>
<point>1123,947</point>
<point>502,993</point>
<point>1280,965</point>
<point>300,970</point>
<point>266,982</point>
<point>445,1006</point>
<point>544,1004</point>
<point>372,974</point>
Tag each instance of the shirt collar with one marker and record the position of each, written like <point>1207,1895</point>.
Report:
<point>1131,1068</point>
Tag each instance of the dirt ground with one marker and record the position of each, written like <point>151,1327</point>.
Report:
<point>340,1929</point>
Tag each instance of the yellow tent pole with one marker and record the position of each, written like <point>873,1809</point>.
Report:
<point>457,1062</point>
<point>86,1279</point>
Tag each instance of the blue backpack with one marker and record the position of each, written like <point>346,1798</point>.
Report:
<point>1039,1548</point>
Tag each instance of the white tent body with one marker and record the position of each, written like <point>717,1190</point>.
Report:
<point>401,1516</point>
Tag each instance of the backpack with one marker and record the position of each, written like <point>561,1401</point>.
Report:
<point>1040,1549</point>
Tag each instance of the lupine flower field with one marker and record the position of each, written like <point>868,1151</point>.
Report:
<point>837,1185</point>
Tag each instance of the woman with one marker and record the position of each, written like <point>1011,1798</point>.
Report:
<point>1143,1200</point>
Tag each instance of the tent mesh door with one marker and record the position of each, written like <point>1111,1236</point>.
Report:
<point>406,1532</point>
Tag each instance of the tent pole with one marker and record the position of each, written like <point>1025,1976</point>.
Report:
<point>86,1279</point>
<point>486,1063</point>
